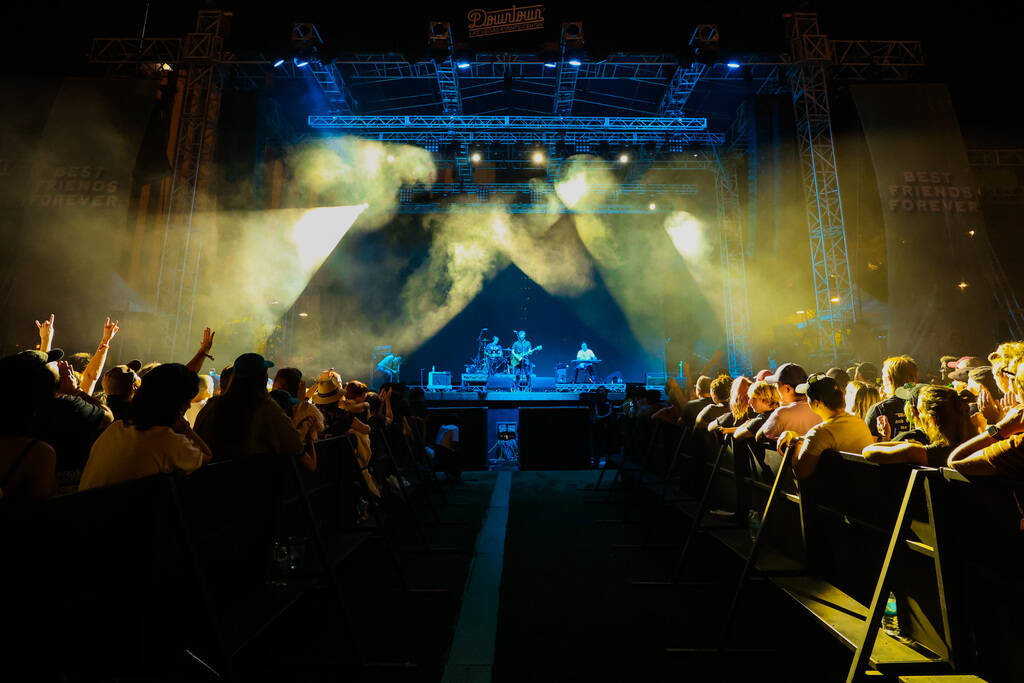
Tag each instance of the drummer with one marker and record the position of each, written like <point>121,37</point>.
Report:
<point>494,354</point>
<point>585,354</point>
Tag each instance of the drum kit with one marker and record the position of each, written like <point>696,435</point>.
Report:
<point>489,362</point>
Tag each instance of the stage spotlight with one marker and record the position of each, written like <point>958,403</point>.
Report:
<point>685,232</point>
<point>391,158</point>
<point>538,158</point>
<point>962,285</point>
<point>475,157</point>
<point>278,62</point>
<point>835,299</point>
<point>303,315</point>
<point>300,61</point>
<point>550,65</point>
<point>623,158</point>
<point>574,62</point>
<point>733,65</point>
<point>464,65</point>
<point>652,206</point>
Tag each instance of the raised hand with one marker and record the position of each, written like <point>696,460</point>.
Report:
<point>45,333</point>
<point>989,408</point>
<point>207,344</point>
<point>110,330</point>
<point>67,382</point>
<point>883,427</point>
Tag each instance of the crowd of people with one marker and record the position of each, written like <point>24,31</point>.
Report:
<point>68,425</point>
<point>969,418</point>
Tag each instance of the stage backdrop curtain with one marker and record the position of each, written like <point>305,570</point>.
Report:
<point>76,204</point>
<point>929,204</point>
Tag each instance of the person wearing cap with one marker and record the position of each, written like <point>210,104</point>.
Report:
<point>887,417</point>
<point>915,433</point>
<point>999,450</point>
<point>794,415</point>
<point>944,417</point>
<point>867,373</point>
<point>155,438</point>
<point>119,385</point>
<point>327,397</point>
<point>244,420</point>
<point>837,431</point>
<point>840,376</point>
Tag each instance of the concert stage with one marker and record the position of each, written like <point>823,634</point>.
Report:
<point>506,398</point>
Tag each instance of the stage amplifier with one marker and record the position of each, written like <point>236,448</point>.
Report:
<point>655,380</point>
<point>501,382</point>
<point>439,380</point>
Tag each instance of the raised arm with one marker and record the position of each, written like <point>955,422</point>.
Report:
<point>196,364</point>
<point>93,371</point>
<point>45,334</point>
<point>968,457</point>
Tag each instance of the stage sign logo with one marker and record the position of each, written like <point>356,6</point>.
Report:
<point>492,22</point>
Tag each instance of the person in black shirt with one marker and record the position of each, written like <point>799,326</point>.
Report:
<point>692,409</point>
<point>944,417</point>
<point>897,372</point>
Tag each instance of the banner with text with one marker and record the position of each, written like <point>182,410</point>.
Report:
<point>930,207</point>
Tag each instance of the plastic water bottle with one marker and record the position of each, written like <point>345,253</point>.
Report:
<point>891,618</point>
<point>754,524</point>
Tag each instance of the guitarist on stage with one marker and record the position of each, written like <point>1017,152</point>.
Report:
<point>521,364</point>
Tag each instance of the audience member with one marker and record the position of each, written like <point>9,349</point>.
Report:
<point>915,433</point>
<point>204,394</point>
<point>867,373</point>
<point>887,417</point>
<point>860,397</point>
<point>651,404</point>
<point>244,420</point>
<point>27,465</point>
<point>840,376</point>
<point>838,430</point>
<point>794,414</point>
<point>94,365</point>
<point>327,398</point>
<point>224,379</point>
<point>944,417</point>
<point>739,407</point>
<point>155,438</point>
<point>690,411</point>
<point>720,389</point>
<point>764,399</point>
<point>119,386</point>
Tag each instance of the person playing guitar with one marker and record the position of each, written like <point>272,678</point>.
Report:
<point>521,364</point>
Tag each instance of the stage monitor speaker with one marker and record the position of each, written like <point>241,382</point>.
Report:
<point>554,438</point>
<point>542,384</point>
<point>500,382</point>
<point>655,380</point>
<point>439,379</point>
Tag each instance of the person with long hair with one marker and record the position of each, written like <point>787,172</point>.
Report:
<point>155,437</point>
<point>763,400</point>
<point>27,465</point>
<point>999,449</point>
<point>945,418</point>
<point>244,420</point>
<point>739,408</point>
<point>860,396</point>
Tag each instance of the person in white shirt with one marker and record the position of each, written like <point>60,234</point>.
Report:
<point>200,399</point>
<point>585,354</point>
<point>838,430</point>
<point>155,438</point>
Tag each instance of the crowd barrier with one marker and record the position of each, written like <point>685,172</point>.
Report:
<point>839,542</point>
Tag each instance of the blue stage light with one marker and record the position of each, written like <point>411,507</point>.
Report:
<point>574,62</point>
<point>733,65</point>
<point>278,62</point>
<point>550,65</point>
<point>301,61</point>
<point>464,65</point>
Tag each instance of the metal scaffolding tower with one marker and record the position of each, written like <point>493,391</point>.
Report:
<point>830,265</point>
<point>735,312</point>
<point>178,276</point>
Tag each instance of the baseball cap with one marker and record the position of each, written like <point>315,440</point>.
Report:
<point>761,374</point>
<point>41,357</point>
<point>249,364</point>
<point>121,377</point>
<point>820,387</point>
<point>985,378</point>
<point>788,373</point>
<point>963,366</point>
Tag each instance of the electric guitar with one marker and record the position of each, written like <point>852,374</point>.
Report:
<point>517,359</point>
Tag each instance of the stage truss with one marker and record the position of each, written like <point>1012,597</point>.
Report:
<point>569,105</point>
